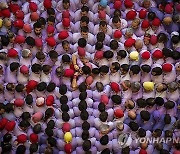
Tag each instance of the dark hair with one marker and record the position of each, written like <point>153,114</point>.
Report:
<point>82,87</point>
<point>9,107</point>
<point>37,25</point>
<point>50,87</point>
<point>42,21</point>
<point>86,70</point>
<point>108,54</point>
<point>83,95</point>
<point>95,71</point>
<point>85,135</point>
<point>63,99</point>
<point>53,54</point>
<point>33,148</point>
<point>62,89</point>
<point>51,124</point>
<point>151,16</point>
<point>82,42</point>
<point>116,19</point>
<point>146,68</point>
<point>84,9</point>
<point>41,86</point>
<point>104,69</point>
<point>37,129</point>
<point>106,151</point>
<point>24,123</point>
<point>116,99</point>
<point>82,105</point>
<point>7,137</point>
<point>167,119</point>
<point>65,117</point>
<point>30,41</point>
<point>85,125</point>
<point>145,115</point>
<point>150,101</point>
<point>103,116</point>
<point>29,99</point>
<point>98,45</point>
<point>86,145</point>
<point>133,125</point>
<point>101,107</point>
<point>100,37</point>
<point>40,55</point>
<point>66,58</point>
<point>122,53</point>
<point>85,19</point>
<point>141,132</point>
<point>104,140</point>
<point>5,40</point>
<point>125,67</point>
<point>36,68</point>
<point>21,149</point>
<point>64,108</point>
<point>14,66</point>
<point>25,116</point>
<point>135,69</point>
<point>169,105</point>
<point>51,141</point>
<point>50,11</point>
<point>84,29</point>
<point>51,19</point>
<point>19,87</point>
<point>114,45</point>
<point>84,115</point>
<point>49,132</point>
<point>159,101</point>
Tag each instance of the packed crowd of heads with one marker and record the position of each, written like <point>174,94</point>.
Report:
<point>89,76</point>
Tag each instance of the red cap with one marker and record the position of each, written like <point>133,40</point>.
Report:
<point>24,69</point>
<point>142,13</point>
<point>167,67</point>
<point>66,127</point>
<point>12,53</point>
<point>104,99</point>
<point>115,87</point>
<point>34,138</point>
<point>153,39</point>
<point>63,35</point>
<point>22,138</point>
<point>128,3</point>
<point>19,102</point>
<point>34,16</point>
<point>50,29</point>
<point>81,52</point>
<point>10,126</point>
<point>66,22</point>
<point>168,9</point>
<point>51,41</point>
<point>156,22</point>
<point>157,54</point>
<point>14,7</point>
<point>117,34</point>
<point>38,42</point>
<point>118,113</point>
<point>98,54</point>
<point>66,14</point>
<point>176,152</point>
<point>27,28</point>
<point>68,72</point>
<point>19,23</point>
<point>31,85</point>
<point>19,14</point>
<point>102,14</point>
<point>142,151</point>
<point>145,55</point>
<point>6,13</point>
<point>3,123</point>
<point>33,6</point>
<point>50,100</point>
<point>68,148</point>
<point>19,39</point>
<point>131,15</point>
<point>47,4</point>
<point>145,24</point>
<point>117,4</point>
<point>129,42</point>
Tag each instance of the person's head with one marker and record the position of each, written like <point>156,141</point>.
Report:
<point>108,54</point>
<point>156,71</point>
<point>98,45</point>
<point>145,115</point>
<point>37,28</point>
<point>147,39</point>
<point>129,104</point>
<point>129,32</point>
<point>160,87</point>
<point>134,126</point>
<point>84,11</point>
<point>146,4</point>
<point>141,132</point>
<point>167,119</point>
<point>135,86</point>
<point>167,20</point>
<point>2,108</point>
<point>40,56</point>
<point>36,68</point>
<point>20,88</point>
<point>138,44</point>
<point>164,151</point>
<point>82,42</point>
<point>65,117</point>
<point>104,69</point>
<point>51,12</point>
<point>159,101</point>
<point>82,87</point>
<point>151,16</point>
<point>86,145</point>
<point>49,132</point>
<point>116,99</point>
<point>146,68</point>
<point>63,99</point>
<point>162,37</point>
<point>100,37</point>
<point>106,151</point>
<point>6,148</point>
<point>24,124</point>
<point>29,99</point>
<point>114,45</point>
<point>42,21</point>
<point>121,54</point>
<point>104,140</point>
<point>51,124</point>
<point>141,103</point>
<point>150,102</point>
<point>52,141</point>
<point>135,69</point>
<point>82,105</point>
<point>168,133</point>
<point>37,128</point>
<point>84,115</point>
<point>84,31</point>
<point>117,13</point>
<point>84,21</point>
<point>83,95</point>
<point>33,148</point>
<point>25,116</point>
<point>66,4</point>
<point>85,135</point>
<point>169,105</point>
<point>46,69</point>
<point>5,40</point>
<point>7,137</point>
<point>86,70</point>
<point>124,68</point>
<point>62,89</point>
<point>175,39</point>
<point>157,133</point>
<point>41,86</point>
<point>116,22</point>
<point>85,125</point>
<point>135,23</point>
<point>115,67</point>
<point>7,23</point>
<point>99,86</point>
<point>14,66</point>
<point>51,20</point>
<point>101,107</point>
<point>103,26</point>
<point>103,116</point>
<point>125,150</point>
<point>30,41</point>
<point>21,149</point>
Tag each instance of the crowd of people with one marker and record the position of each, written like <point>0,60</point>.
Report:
<point>89,76</point>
